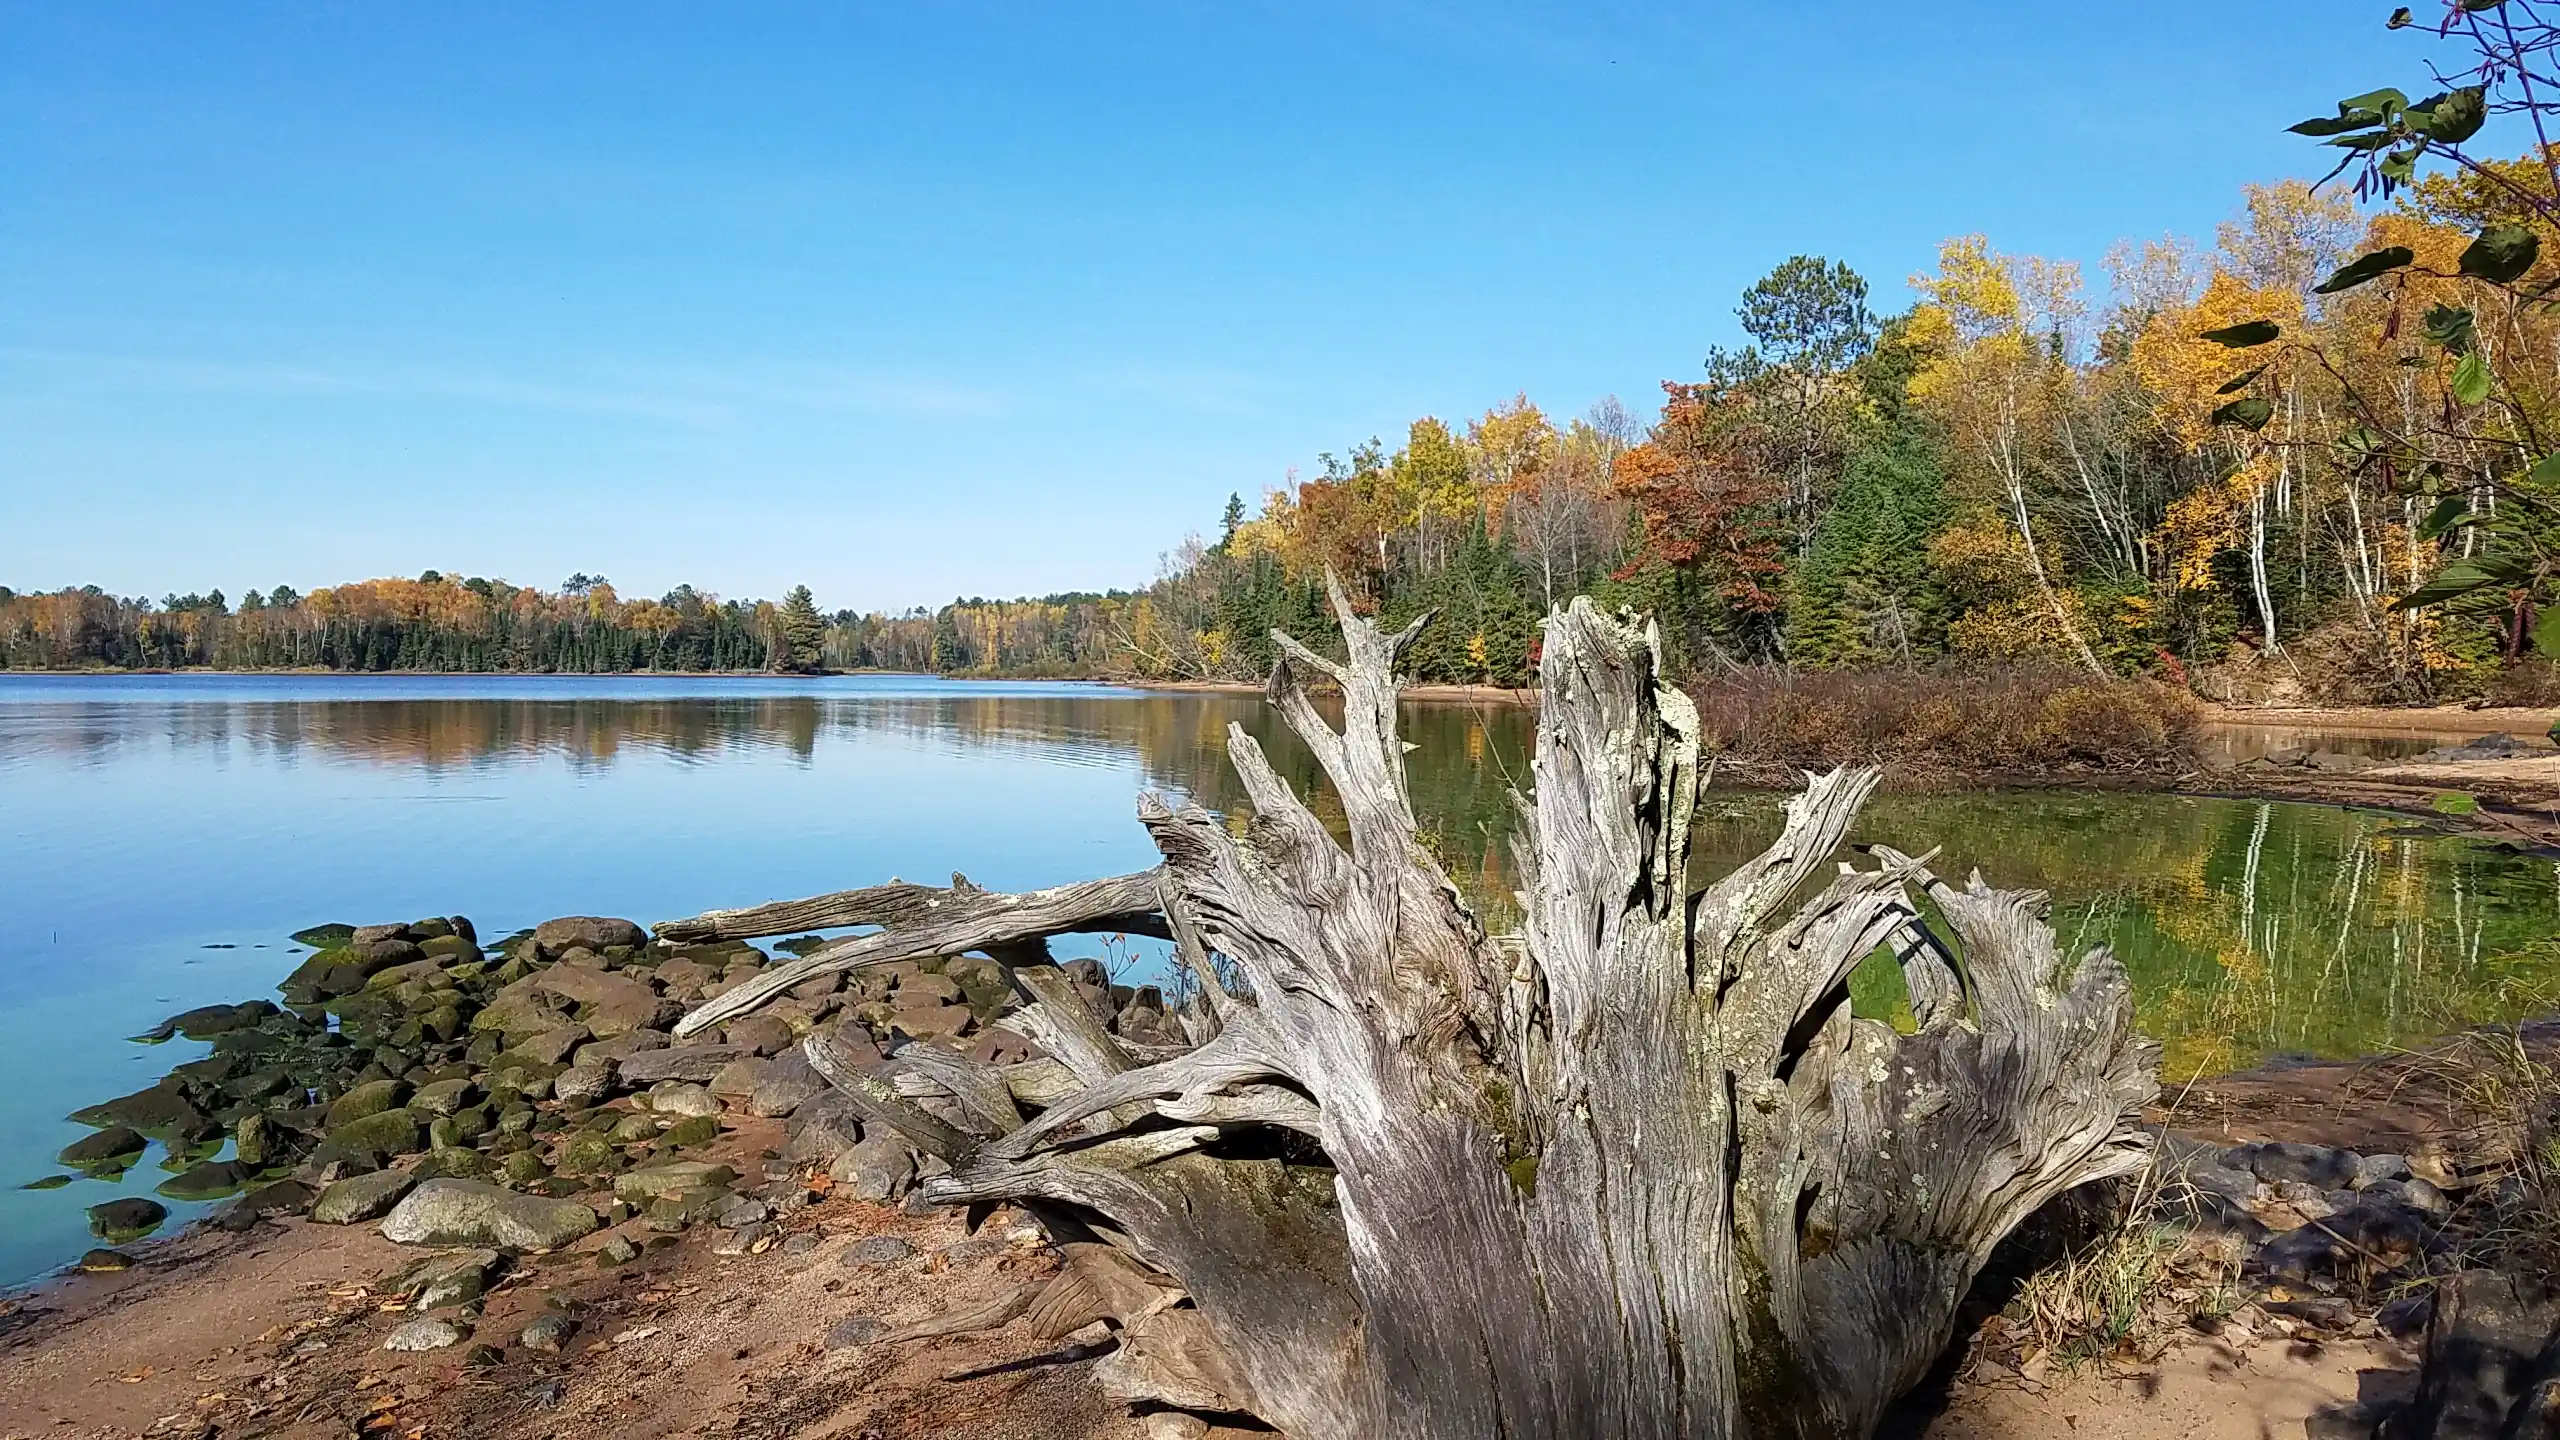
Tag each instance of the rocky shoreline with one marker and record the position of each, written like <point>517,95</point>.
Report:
<point>518,1140</point>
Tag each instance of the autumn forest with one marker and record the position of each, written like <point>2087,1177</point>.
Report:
<point>2030,465</point>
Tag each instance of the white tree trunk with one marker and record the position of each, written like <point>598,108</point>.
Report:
<point>1637,1173</point>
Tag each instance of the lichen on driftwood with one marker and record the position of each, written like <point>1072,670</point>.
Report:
<point>1636,1172</point>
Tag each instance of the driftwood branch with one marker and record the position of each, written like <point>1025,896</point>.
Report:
<point>1636,1172</point>
<point>949,922</point>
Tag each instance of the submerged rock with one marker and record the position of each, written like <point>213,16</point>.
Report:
<point>210,1181</point>
<point>129,1218</point>
<point>160,1111</point>
<point>109,1152</point>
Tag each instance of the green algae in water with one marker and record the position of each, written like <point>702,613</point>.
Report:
<point>2250,929</point>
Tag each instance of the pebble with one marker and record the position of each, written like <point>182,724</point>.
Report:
<point>547,1394</point>
<point>854,1330</point>
<point>801,1246</point>
<point>744,1240</point>
<point>548,1334</point>
<point>878,1250</point>
<point>424,1333</point>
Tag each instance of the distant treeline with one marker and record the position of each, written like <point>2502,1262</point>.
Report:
<point>2007,474</point>
<point>450,623</point>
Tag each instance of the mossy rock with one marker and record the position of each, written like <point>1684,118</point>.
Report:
<point>48,1182</point>
<point>325,937</point>
<point>202,1075</point>
<point>524,1168</point>
<point>251,1140</point>
<point>105,1155</point>
<point>455,1163</point>
<point>691,1131</point>
<point>442,1097</point>
<point>127,1219</point>
<point>371,1098</point>
<point>387,1132</point>
<point>634,1127</point>
<point>590,1155</point>
<point>209,1181</point>
<point>161,1111</point>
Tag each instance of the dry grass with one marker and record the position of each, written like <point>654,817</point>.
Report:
<point>2024,722</point>
<point>2510,1096</point>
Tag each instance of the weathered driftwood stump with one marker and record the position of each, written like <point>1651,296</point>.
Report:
<point>1637,1172</point>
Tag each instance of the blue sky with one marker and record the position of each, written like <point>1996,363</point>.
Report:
<point>908,302</point>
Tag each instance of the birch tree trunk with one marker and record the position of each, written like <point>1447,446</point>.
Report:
<point>1635,1173</point>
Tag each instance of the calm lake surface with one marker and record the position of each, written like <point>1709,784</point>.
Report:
<point>160,836</point>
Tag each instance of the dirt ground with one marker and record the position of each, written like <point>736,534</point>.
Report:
<point>276,1334</point>
<point>279,1331</point>
<point>2459,721</point>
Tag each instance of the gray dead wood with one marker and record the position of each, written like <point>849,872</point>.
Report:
<point>1637,1172</point>
<point>944,922</point>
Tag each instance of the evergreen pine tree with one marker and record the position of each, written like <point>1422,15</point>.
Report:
<point>803,633</point>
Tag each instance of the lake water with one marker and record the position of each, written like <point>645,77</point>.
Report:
<point>160,836</point>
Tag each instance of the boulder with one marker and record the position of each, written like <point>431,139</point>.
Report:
<point>2370,1232</point>
<point>590,1155</point>
<point>2315,1165</point>
<point>698,1063</point>
<point>620,1047</point>
<point>690,1132</point>
<point>586,932</point>
<point>761,1034</point>
<point>2490,1363</point>
<point>443,1097</point>
<point>917,991</point>
<point>583,1085</point>
<point>527,1007</point>
<point>392,1132</point>
<point>160,1111</point>
<point>738,1079</point>
<point>682,1099</point>
<point>876,1171</point>
<point>824,1127</point>
<point>670,1178</point>
<point>109,1152</point>
<point>360,1197</point>
<point>553,1047</point>
<point>283,1197</point>
<point>931,1020</point>
<point>129,1218</point>
<point>470,1212</point>
<point>208,1181</point>
<point>456,1277</point>
<point>369,1099</point>
<point>789,1082</point>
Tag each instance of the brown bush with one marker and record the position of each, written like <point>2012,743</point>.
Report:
<point>2026,721</point>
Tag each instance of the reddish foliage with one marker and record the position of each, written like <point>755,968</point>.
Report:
<point>1704,505</point>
